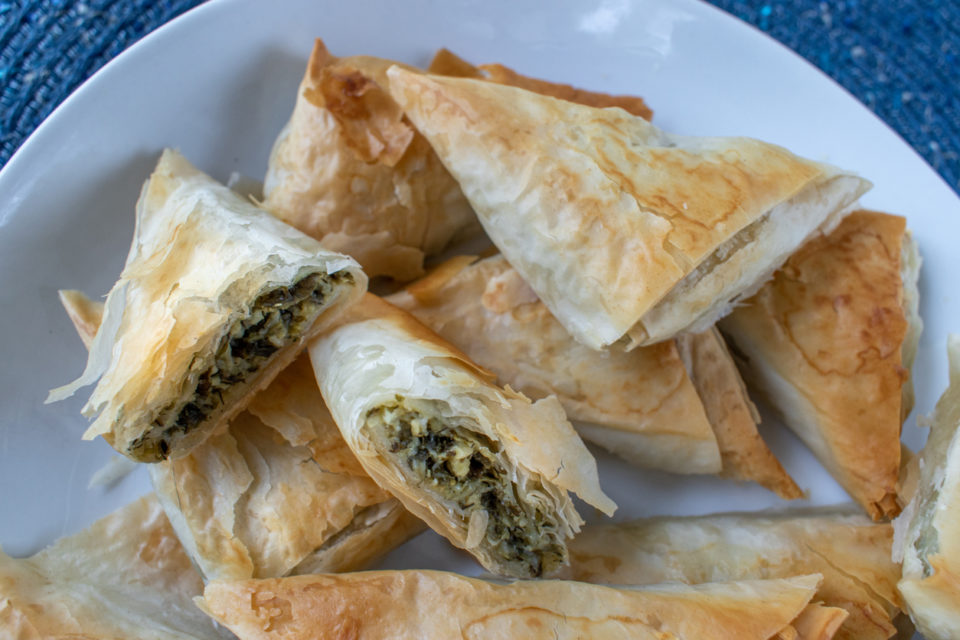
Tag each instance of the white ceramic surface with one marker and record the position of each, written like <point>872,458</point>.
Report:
<point>219,82</point>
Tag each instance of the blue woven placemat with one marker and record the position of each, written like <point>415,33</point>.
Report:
<point>900,58</point>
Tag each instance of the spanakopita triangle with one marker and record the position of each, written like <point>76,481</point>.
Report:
<point>628,234</point>
<point>434,604</point>
<point>829,342</point>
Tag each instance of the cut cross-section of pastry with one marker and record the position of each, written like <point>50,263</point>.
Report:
<point>851,552</point>
<point>480,464</point>
<point>625,232</point>
<point>350,171</point>
<point>733,416</point>
<point>276,492</point>
<point>216,297</point>
<point>124,577</point>
<point>928,530</point>
<point>639,405</point>
<point>829,341</point>
<point>426,605</point>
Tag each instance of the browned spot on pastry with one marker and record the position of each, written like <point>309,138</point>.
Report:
<point>373,124</point>
<point>273,611</point>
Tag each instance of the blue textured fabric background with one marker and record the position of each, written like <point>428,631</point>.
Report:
<point>898,57</point>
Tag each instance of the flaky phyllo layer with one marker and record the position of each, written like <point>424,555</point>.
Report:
<point>216,297</point>
<point>641,406</point>
<point>459,465</point>
<point>277,491</point>
<point>482,465</point>
<point>829,341</point>
<point>628,234</point>
<point>276,320</point>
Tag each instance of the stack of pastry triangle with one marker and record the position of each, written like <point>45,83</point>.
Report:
<point>829,342</point>
<point>275,492</point>
<point>679,406</point>
<point>401,395</point>
<point>640,405</point>
<point>928,531</point>
<point>182,347</point>
<point>625,232</point>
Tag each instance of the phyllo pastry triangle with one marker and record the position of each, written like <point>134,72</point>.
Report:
<point>626,233</point>
<point>641,405</point>
<point>124,577</point>
<point>423,605</point>
<point>851,552</point>
<point>216,297</point>
<point>277,491</point>
<point>734,418</point>
<point>678,406</point>
<point>829,343</point>
<point>928,530</point>
<point>350,171</point>
<point>481,465</point>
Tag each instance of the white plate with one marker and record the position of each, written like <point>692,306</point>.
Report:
<point>219,82</point>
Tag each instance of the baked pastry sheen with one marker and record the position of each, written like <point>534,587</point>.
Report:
<point>350,171</point>
<point>625,232</point>
<point>847,549</point>
<point>430,604</point>
<point>640,405</point>
<point>124,577</point>
<point>825,342</point>
<point>481,465</point>
<point>216,297</point>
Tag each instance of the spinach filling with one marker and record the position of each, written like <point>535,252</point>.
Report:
<point>462,466</point>
<point>276,319</point>
<point>928,539</point>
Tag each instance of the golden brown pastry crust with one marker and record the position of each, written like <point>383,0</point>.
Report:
<point>379,355</point>
<point>373,532</point>
<point>816,622</point>
<point>432,604</point>
<point>126,576</point>
<point>350,171</point>
<point>734,417</point>
<point>642,400</point>
<point>851,552</point>
<point>201,259</point>
<point>606,216</point>
<point>822,341</point>
<point>447,63</point>
<point>249,503</point>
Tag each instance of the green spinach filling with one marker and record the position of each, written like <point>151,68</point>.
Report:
<point>276,319</point>
<point>463,467</point>
<point>928,539</point>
